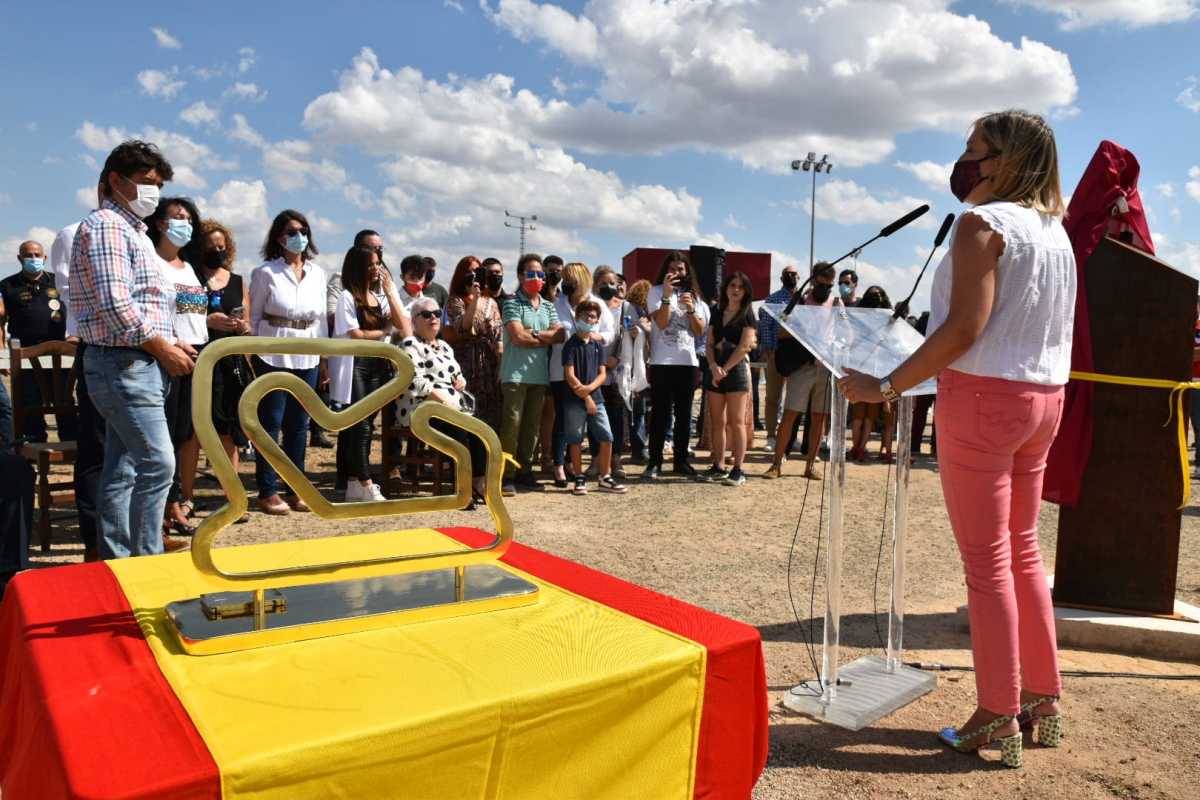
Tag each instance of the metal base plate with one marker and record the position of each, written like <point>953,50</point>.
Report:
<point>867,693</point>
<point>330,609</point>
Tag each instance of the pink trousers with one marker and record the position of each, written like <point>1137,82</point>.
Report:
<point>993,436</point>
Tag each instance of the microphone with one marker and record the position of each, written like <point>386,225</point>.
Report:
<point>887,230</point>
<point>902,306</point>
<point>907,218</point>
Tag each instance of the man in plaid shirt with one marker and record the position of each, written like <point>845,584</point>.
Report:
<point>125,312</point>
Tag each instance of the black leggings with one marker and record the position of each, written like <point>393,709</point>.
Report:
<point>354,443</point>
<point>473,443</point>
<point>671,386</point>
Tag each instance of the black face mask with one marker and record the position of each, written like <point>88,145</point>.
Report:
<point>553,279</point>
<point>214,259</point>
<point>820,292</point>
<point>789,281</point>
<point>569,288</point>
<point>494,282</point>
<point>429,273</point>
<point>607,292</point>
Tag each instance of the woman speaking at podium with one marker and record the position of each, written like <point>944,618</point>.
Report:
<point>1000,346</point>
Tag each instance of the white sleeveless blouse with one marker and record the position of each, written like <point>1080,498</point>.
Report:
<point>1028,335</point>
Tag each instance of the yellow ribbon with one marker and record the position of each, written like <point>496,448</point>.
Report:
<point>1174,407</point>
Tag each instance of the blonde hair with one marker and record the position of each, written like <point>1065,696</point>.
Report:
<point>578,273</point>
<point>1027,163</point>
<point>638,293</point>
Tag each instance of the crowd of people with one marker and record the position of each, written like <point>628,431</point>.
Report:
<point>572,359</point>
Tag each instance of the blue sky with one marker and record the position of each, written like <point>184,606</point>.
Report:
<point>619,122</point>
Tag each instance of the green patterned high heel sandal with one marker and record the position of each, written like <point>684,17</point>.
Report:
<point>1011,754</point>
<point>1048,728</point>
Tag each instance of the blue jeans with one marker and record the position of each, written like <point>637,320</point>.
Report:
<point>277,412</point>
<point>129,389</point>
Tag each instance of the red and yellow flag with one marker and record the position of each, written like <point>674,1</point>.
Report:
<point>601,689</point>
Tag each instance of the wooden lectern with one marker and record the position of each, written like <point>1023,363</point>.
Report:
<point>1118,548</point>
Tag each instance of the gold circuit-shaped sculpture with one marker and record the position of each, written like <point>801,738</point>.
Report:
<point>251,609</point>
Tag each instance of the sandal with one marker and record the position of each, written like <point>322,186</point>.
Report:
<point>1048,728</point>
<point>1010,746</point>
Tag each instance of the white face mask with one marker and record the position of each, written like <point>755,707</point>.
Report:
<point>146,201</point>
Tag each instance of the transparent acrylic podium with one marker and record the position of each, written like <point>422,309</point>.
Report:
<point>868,688</point>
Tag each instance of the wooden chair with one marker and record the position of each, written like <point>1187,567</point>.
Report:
<point>57,385</point>
<point>409,463</point>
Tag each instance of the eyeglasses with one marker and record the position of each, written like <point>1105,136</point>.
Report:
<point>290,231</point>
<point>535,275</point>
<point>427,314</point>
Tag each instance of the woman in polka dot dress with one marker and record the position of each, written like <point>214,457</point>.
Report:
<point>438,378</point>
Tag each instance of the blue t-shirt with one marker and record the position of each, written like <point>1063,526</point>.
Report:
<point>586,356</point>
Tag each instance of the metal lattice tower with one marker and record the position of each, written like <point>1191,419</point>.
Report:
<point>524,223</point>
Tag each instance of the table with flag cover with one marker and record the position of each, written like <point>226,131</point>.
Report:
<point>601,689</point>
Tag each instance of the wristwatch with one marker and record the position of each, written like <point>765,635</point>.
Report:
<point>885,388</point>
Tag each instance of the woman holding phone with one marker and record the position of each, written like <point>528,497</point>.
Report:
<point>474,331</point>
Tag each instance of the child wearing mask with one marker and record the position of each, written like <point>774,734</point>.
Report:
<point>584,373</point>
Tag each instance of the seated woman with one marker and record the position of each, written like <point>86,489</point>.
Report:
<point>368,308</point>
<point>439,378</point>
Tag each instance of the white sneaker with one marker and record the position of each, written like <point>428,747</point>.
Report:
<point>355,491</point>
<point>770,444</point>
<point>375,494</point>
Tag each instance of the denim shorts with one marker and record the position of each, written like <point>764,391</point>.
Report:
<point>576,421</point>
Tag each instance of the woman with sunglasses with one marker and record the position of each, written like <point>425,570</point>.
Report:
<point>368,309</point>
<point>439,378</point>
<point>287,299</point>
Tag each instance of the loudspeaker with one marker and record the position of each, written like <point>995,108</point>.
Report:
<point>709,264</point>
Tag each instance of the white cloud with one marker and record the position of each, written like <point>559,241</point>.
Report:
<point>1078,14</point>
<point>165,39</point>
<point>323,225</point>
<point>1184,256</point>
<point>289,166</point>
<point>1167,190</point>
<point>358,194</point>
<point>246,59</point>
<point>157,83</point>
<point>454,4</point>
<point>242,206</point>
<point>1193,185</point>
<point>732,222</point>
<point>11,245</point>
<point>395,202</point>
<point>574,37</point>
<point>932,174</point>
<point>49,160</point>
<point>242,132</point>
<point>1176,214</point>
<point>1189,98</point>
<point>85,196</point>
<point>847,203</point>
<point>761,82</point>
<point>246,91</point>
<point>187,156</point>
<point>199,113</point>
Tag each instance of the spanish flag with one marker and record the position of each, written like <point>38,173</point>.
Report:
<point>601,689</point>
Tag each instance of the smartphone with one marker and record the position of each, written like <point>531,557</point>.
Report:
<point>481,275</point>
<point>237,312</point>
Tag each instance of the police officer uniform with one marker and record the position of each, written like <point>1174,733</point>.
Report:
<point>36,313</point>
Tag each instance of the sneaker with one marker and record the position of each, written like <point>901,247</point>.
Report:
<point>735,477</point>
<point>580,485</point>
<point>620,474</point>
<point>592,472</point>
<point>508,490</point>
<point>770,444</point>
<point>525,480</point>
<point>712,475</point>
<point>684,468</point>
<point>651,471</point>
<point>375,494</point>
<point>355,492</point>
<point>610,484</point>
<point>318,439</point>
<point>774,472</point>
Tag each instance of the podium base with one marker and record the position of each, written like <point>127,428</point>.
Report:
<point>867,693</point>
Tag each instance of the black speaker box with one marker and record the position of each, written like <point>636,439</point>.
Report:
<point>709,264</point>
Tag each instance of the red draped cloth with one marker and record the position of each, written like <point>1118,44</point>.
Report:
<point>1106,201</point>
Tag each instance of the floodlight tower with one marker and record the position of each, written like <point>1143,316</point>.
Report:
<point>810,163</point>
<point>524,223</point>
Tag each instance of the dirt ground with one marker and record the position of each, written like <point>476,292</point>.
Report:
<point>727,550</point>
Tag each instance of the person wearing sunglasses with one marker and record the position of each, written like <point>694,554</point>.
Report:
<point>439,378</point>
<point>531,325</point>
<point>287,299</point>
